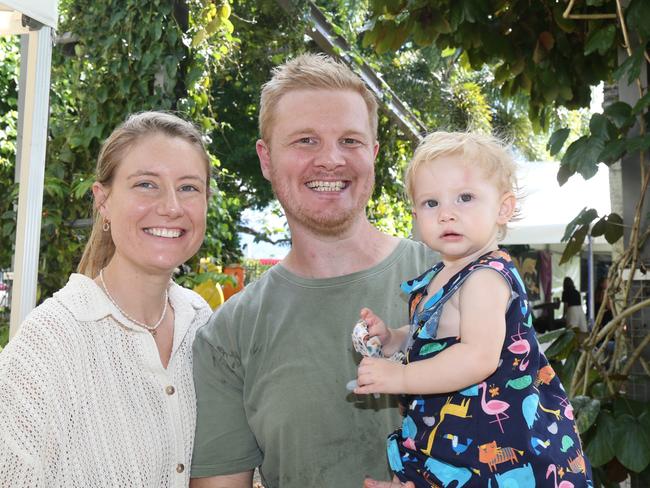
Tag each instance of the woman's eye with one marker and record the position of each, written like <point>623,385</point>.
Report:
<point>144,184</point>
<point>431,203</point>
<point>466,197</point>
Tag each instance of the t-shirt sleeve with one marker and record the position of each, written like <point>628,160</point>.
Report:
<point>224,443</point>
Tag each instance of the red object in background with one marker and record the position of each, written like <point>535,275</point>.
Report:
<point>269,261</point>
<point>237,272</point>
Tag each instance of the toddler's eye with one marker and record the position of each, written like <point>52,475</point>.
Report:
<point>466,197</point>
<point>431,203</point>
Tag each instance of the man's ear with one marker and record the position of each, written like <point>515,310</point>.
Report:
<point>100,194</point>
<point>264,155</point>
<point>375,150</point>
<point>507,208</point>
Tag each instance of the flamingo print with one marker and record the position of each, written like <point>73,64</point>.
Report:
<point>568,408</point>
<point>494,407</point>
<point>563,483</point>
<point>520,346</point>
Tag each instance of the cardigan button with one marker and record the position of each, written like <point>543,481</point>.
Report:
<point>170,390</point>
<point>180,467</point>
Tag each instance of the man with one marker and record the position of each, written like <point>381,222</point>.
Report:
<point>271,366</point>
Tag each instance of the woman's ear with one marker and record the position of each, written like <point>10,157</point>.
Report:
<point>100,194</point>
<point>507,208</point>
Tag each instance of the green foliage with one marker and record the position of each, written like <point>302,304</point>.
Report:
<point>535,50</point>
<point>167,63</point>
<point>9,55</point>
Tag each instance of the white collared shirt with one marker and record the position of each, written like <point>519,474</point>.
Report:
<point>85,400</point>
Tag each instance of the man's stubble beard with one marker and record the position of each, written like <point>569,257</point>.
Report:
<point>325,223</point>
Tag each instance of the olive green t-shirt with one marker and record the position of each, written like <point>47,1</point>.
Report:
<point>271,368</point>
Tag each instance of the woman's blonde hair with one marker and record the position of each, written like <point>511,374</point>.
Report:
<point>311,72</point>
<point>100,246</point>
<point>485,151</point>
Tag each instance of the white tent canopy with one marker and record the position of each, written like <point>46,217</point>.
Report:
<point>547,207</point>
<point>35,21</point>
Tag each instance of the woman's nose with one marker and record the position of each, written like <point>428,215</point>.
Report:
<point>169,204</point>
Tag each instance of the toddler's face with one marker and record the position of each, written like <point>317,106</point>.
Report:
<point>458,208</point>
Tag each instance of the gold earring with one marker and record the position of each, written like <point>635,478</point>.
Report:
<point>106,225</point>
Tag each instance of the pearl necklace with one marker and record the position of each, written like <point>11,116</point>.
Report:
<point>150,328</point>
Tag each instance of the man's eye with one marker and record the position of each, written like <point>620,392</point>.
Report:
<point>466,197</point>
<point>189,188</point>
<point>431,203</point>
<point>306,140</point>
<point>349,141</point>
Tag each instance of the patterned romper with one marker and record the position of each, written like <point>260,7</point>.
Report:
<point>514,430</point>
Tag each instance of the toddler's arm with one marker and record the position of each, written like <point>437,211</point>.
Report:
<point>483,301</point>
<point>392,340</point>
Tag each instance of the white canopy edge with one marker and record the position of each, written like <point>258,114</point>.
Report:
<point>44,11</point>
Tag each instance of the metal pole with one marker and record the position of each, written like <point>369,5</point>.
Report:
<point>590,281</point>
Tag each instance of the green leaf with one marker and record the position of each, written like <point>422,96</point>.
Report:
<point>631,66</point>
<point>637,15</point>
<point>582,156</point>
<point>613,151</point>
<point>636,408</point>
<point>641,104</point>
<point>620,113</point>
<point>586,411</point>
<point>574,246</point>
<point>600,40</point>
<point>599,449</point>
<point>639,143</point>
<point>632,443</point>
<point>585,217</point>
<point>599,126</point>
<point>549,336</point>
<point>562,346</point>
<point>614,229</point>
<point>557,140</point>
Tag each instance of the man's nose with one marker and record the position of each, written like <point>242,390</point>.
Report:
<point>331,157</point>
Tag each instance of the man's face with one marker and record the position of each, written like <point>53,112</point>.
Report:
<point>320,159</point>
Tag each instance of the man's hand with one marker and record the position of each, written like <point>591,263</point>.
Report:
<point>378,375</point>
<point>370,483</point>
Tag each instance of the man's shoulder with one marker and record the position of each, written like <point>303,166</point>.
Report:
<point>236,307</point>
<point>417,253</point>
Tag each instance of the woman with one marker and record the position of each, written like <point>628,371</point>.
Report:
<point>572,311</point>
<point>96,388</point>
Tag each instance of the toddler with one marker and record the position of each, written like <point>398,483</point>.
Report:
<point>481,405</point>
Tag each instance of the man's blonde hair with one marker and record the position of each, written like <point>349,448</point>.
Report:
<point>311,72</point>
<point>484,151</point>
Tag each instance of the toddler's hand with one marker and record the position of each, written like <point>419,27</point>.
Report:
<point>376,326</point>
<point>378,375</point>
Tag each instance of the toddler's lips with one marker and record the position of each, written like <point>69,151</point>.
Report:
<point>451,236</point>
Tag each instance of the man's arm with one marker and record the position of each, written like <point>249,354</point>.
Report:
<point>237,480</point>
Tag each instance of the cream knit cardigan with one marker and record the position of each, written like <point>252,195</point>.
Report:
<point>85,401</point>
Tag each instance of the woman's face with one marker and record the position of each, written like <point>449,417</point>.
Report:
<point>156,204</point>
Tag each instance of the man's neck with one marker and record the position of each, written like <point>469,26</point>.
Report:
<point>318,256</point>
